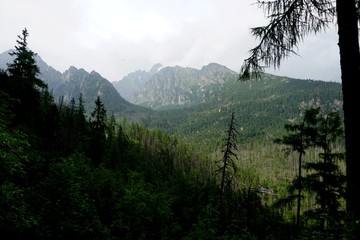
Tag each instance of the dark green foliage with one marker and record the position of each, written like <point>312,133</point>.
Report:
<point>15,214</point>
<point>68,209</point>
<point>326,180</point>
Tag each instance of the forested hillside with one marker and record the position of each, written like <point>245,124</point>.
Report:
<point>66,172</point>
<point>262,108</point>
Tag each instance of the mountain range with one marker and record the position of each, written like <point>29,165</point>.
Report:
<point>194,104</point>
<point>172,86</point>
<point>69,84</point>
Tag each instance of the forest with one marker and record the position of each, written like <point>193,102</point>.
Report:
<point>65,172</point>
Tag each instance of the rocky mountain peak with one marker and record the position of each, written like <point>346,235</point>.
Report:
<point>155,68</point>
<point>95,73</point>
<point>215,67</point>
<point>176,85</point>
<point>72,69</point>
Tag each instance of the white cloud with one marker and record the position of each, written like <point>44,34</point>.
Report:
<point>115,37</point>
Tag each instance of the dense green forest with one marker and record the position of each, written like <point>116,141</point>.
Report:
<point>68,173</point>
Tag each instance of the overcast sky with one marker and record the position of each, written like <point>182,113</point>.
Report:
<point>116,37</point>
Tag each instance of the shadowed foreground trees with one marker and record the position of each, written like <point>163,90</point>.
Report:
<point>323,179</point>
<point>62,175</point>
<point>326,179</point>
<point>299,139</point>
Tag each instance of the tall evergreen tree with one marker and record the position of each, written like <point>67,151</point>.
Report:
<point>26,86</point>
<point>227,170</point>
<point>291,21</point>
<point>24,68</point>
<point>227,164</point>
<point>326,179</point>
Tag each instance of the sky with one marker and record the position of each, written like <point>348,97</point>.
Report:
<point>116,37</point>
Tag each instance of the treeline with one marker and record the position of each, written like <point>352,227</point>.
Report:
<point>68,173</point>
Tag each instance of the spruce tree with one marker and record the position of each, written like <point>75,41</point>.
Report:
<point>326,179</point>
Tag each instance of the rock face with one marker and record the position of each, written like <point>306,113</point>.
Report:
<point>167,86</point>
<point>134,82</point>
<point>90,85</point>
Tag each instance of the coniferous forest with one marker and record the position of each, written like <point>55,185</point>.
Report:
<point>66,172</point>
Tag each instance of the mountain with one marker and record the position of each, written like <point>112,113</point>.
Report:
<point>261,108</point>
<point>131,83</point>
<point>90,85</point>
<point>68,85</point>
<point>5,58</point>
<point>195,104</point>
<point>52,77</point>
<point>163,87</point>
<point>48,74</point>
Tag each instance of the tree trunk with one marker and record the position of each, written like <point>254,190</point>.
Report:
<point>298,211</point>
<point>350,74</point>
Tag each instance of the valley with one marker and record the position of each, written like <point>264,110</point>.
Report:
<point>169,132</point>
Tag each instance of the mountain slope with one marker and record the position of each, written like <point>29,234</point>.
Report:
<point>196,104</point>
<point>91,85</point>
<point>172,86</point>
<point>261,108</point>
<point>129,85</point>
